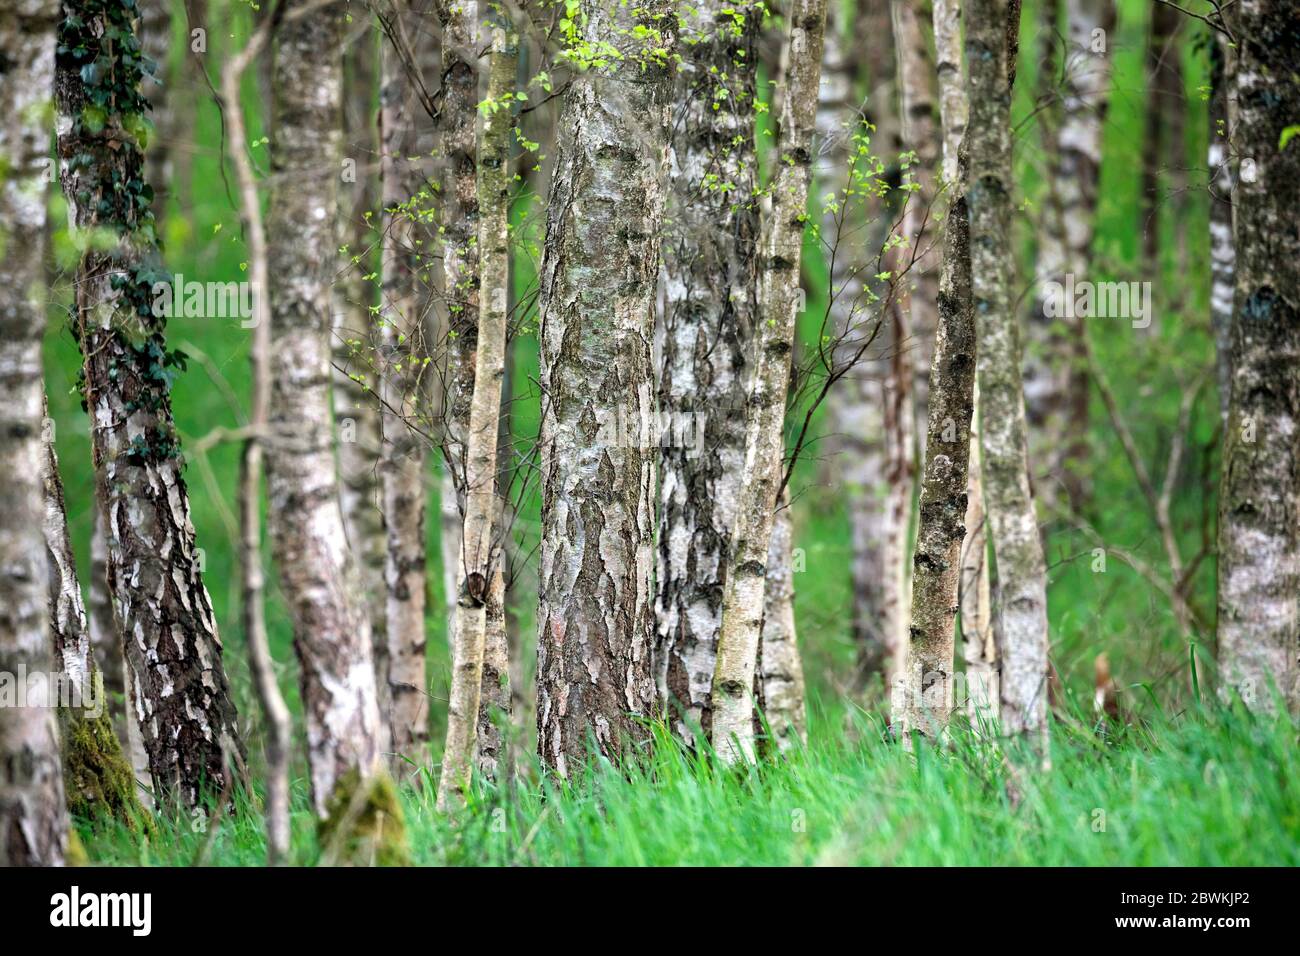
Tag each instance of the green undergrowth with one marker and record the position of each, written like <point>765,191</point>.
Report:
<point>1211,787</point>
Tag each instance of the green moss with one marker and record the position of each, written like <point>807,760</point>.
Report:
<point>364,825</point>
<point>97,775</point>
<point>75,855</point>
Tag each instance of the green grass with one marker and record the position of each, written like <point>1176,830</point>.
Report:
<point>1212,788</point>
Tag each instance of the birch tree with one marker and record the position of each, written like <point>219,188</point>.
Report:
<point>1022,586</point>
<point>180,697</point>
<point>599,268</point>
<point>710,267</point>
<point>1222,251</point>
<point>406,371</point>
<point>780,249</point>
<point>355,332</point>
<point>33,824</point>
<point>97,778</point>
<point>480,539</point>
<point>944,489</point>
<point>979,648</point>
<point>318,575</point>
<point>252,462</point>
<point>1259,494</point>
<point>1056,383</point>
<point>780,670</point>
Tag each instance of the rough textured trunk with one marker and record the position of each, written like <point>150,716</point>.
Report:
<point>355,335</point>
<point>937,565</point>
<point>1223,255</point>
<point>710,268</point>
<point>1163,145</point>
<point>33,823</point>
<point>1259,497</point>
<point>318,575</point>
<point>180,698</point>
<point>1022,588</point>
<point>1056,383</point>
<point>252,577</point>
<point>480,558</point>
<point>780,252</point>
<point>406,375</point>
<point>599,269</point>
<point>106,642</point>
<point>97,778</point>
<point>780,667</point>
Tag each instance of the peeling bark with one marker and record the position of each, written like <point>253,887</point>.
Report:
<point>598,440</point>
<point>1022,588</point>
<point>33,824</point>
<point>710,267</point>
<point>778,308</point>
<point>179,694</point>
<point>318,575</point>
<point>1259,495</point>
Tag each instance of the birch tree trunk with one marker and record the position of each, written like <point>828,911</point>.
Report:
<point>1259,496</point>
<point>781,669</point>
<point>106,642</point>
<point>979,649</point>
<point>1022,587</point>
<point>253,583</point>
<point>180,698</point>
<point>33,823</point>
<point>778,308</point>
<point>599,269</point>
<point>355,335</point>
<point>710,266</point>
<point>1223,255</point>
<point>937,565</point>
<point>1056,388</point>
<point>317,572</point>
<point>406,370</point>
<point>953,109</point>
<point>480,558</point>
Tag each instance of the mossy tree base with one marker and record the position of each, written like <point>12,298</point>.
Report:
<point>97,776</point>
<point>364,825</point>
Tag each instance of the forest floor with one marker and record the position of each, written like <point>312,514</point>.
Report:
<point>1210,787</point>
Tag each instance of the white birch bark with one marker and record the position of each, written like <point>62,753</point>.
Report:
<point>780,252</point>
<point>1259,495</point>
<point>179,694</point>
<point>1022,587</point>
<point>708,327</point>
<point>480,556</point>
<point>318,574</point>
<point>781,668</point>
<point>406,370</point>
<point>33,824</point>
<point>599,268</point>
